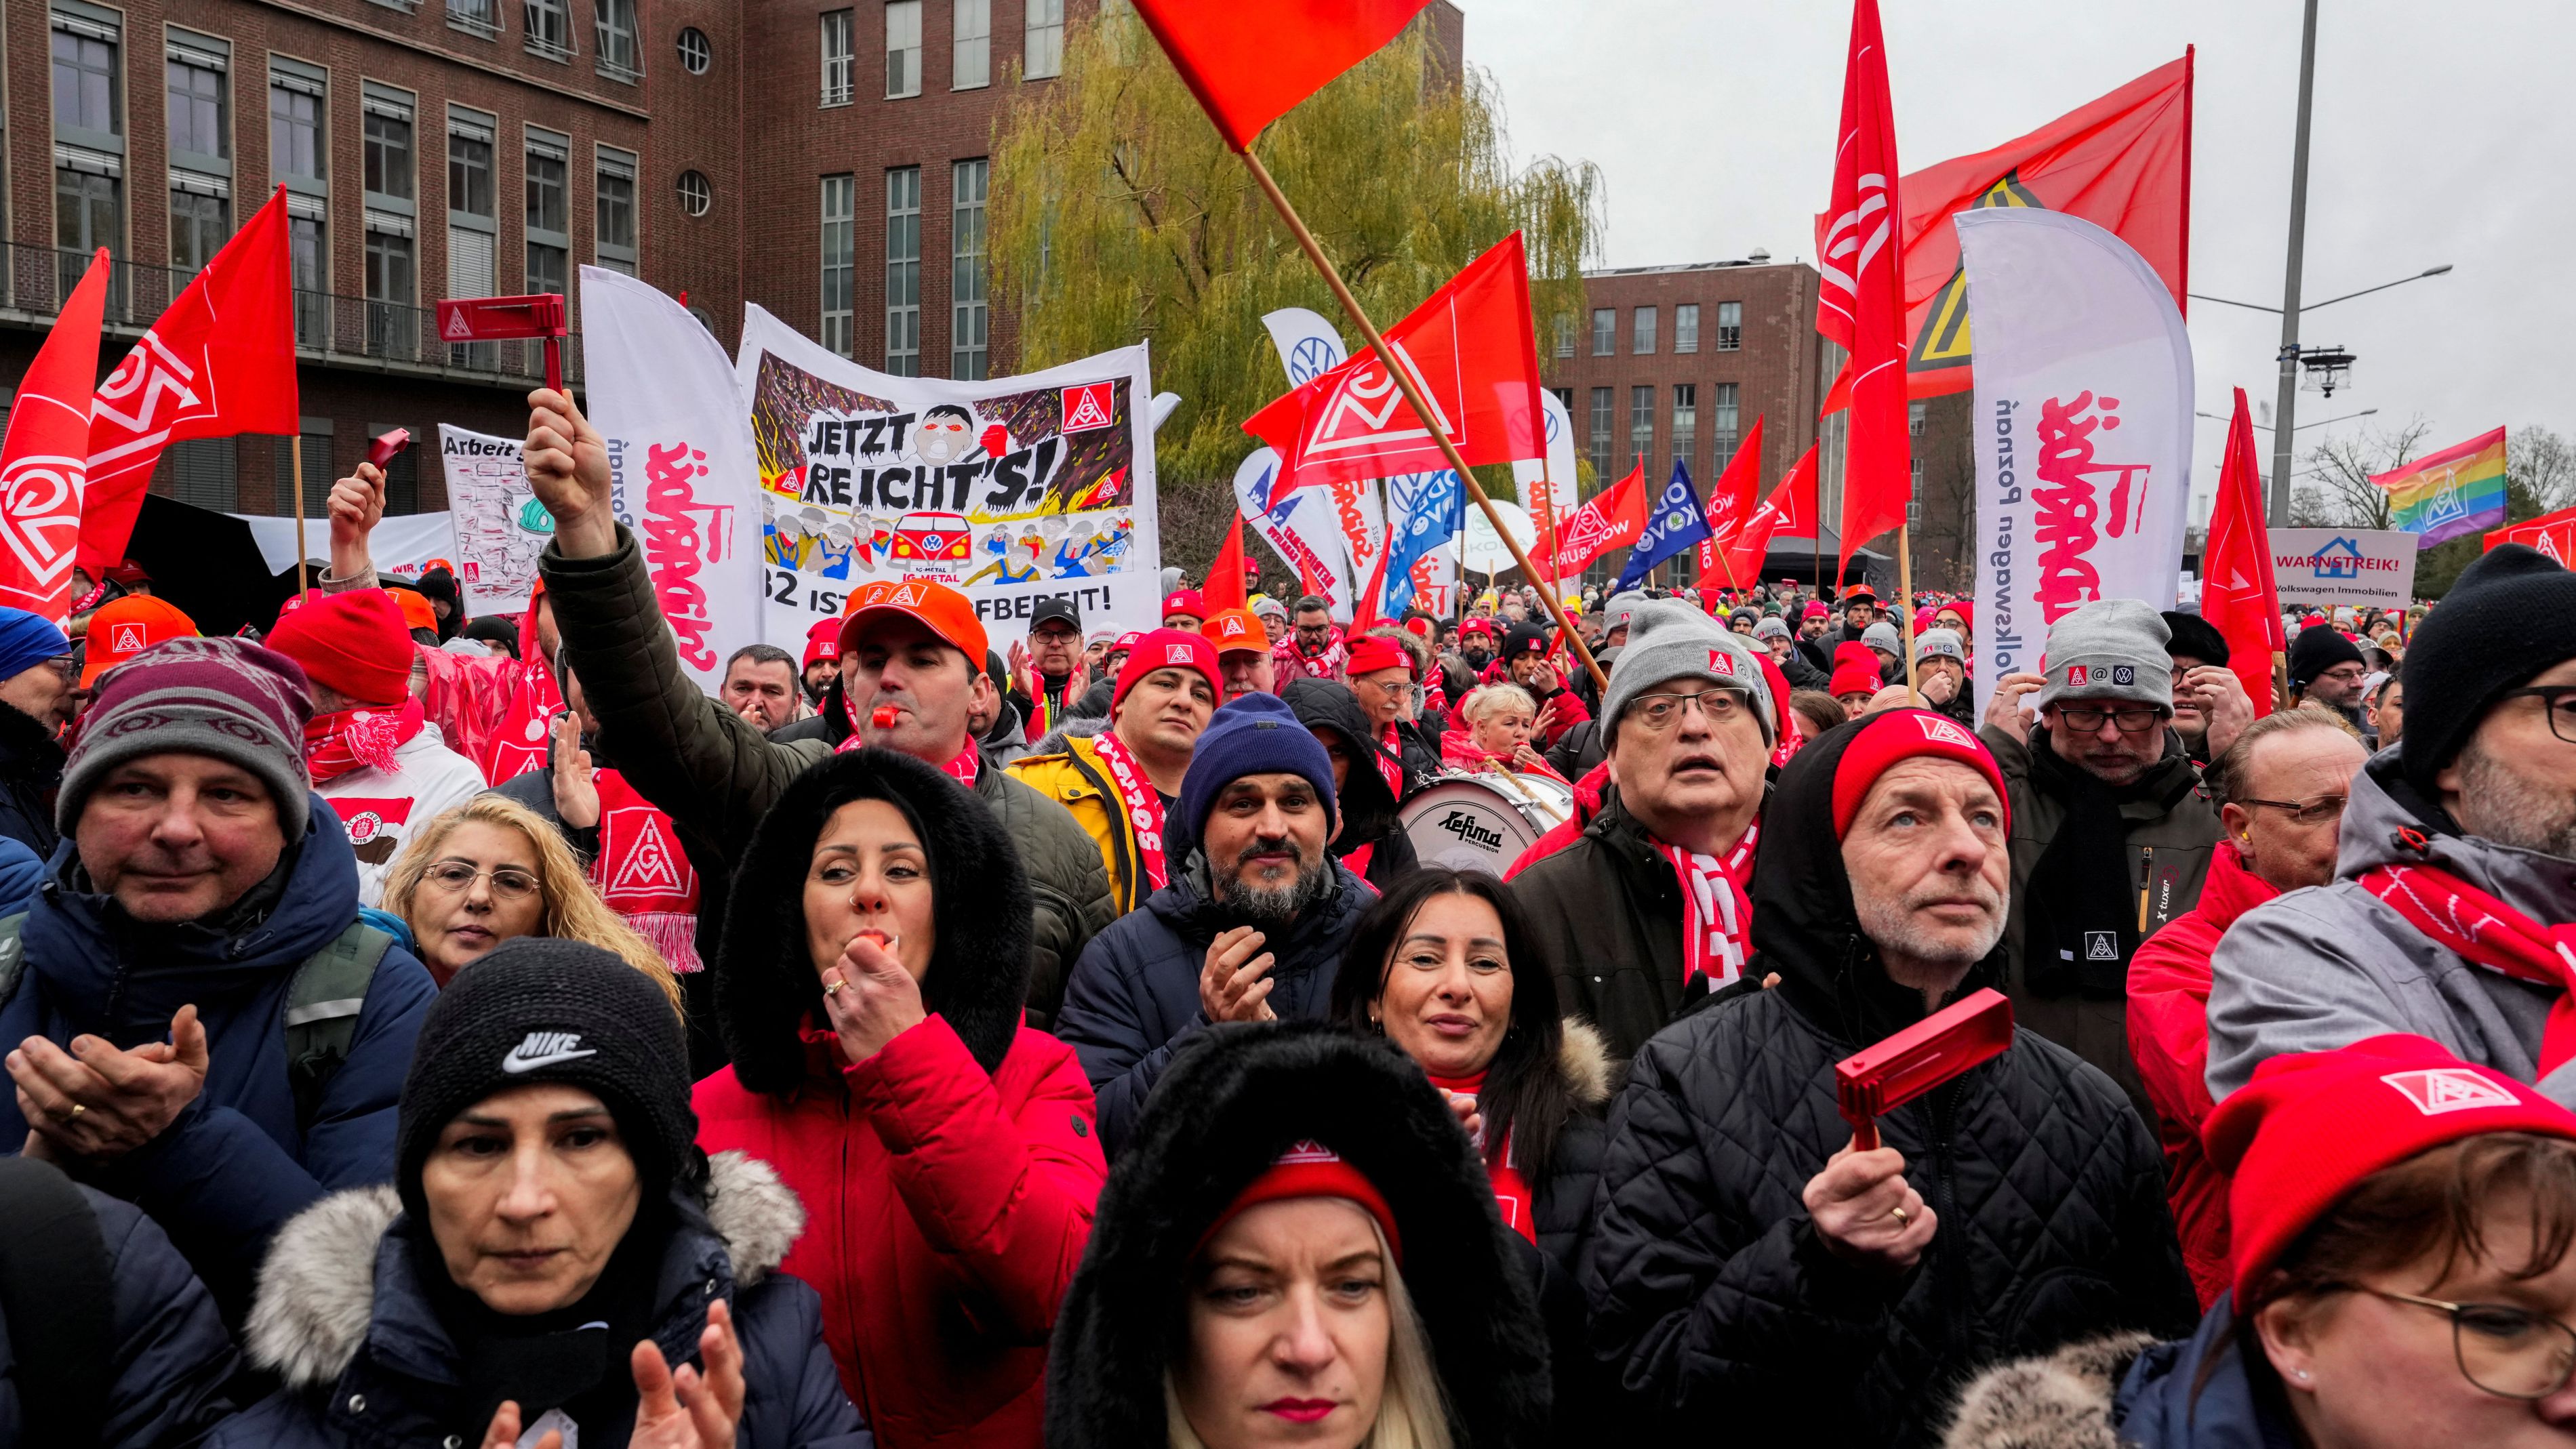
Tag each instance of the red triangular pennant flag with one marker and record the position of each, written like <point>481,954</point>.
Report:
<point>220,361</point>
<point>1860,299</point>
<point>44,457</point>
<point>1225,588</point>
<point>1730,506</point>
<point>2237,595</point>
<point>1251,61</point>
<point>1471,351</point>
<point>1613,519</point>
<point>1791,506</point>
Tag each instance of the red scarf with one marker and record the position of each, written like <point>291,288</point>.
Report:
<point>1045,709</point>
<point>643,874</point>
<point>359,739</point>
<point>1511,1191</point>
<point>1390,762</point>
<point>1136,795</point>
<point>1717,923</point>
<point>518,745</point>
<point>2478,928</point>
<point>964,768</point>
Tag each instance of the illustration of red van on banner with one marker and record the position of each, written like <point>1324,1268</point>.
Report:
<point>932,545</point>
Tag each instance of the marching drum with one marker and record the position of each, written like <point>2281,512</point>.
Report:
<point>1479,821</point>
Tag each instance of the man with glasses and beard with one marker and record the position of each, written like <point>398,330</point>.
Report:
<point>1313,648</point>
<point>2111,828</point>
<point>2456,879</point>
<point>1251,927</point>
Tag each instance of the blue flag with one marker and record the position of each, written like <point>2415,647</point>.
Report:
<point>1423,511</point>
<point>1675,522</point>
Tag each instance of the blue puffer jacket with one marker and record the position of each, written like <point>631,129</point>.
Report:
<point>234,1165</point>
<point>172,1355</point>
<point>2130,1392</point>
<point>1134,995</point>
<point>347,1325</point>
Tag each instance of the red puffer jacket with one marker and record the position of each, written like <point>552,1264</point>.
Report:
<point>945,1213</point>
<point>2169,1039</point>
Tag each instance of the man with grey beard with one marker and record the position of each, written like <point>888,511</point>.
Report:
<point>1251,927</point>
<point>2457,872</point>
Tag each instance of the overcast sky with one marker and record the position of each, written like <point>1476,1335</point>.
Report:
<point>2441,134</point>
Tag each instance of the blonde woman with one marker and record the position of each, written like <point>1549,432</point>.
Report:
<point>1493,732</point>
<point>492,869</point>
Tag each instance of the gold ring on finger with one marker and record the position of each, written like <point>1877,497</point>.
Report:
<point>77,1109</point>
<point>834,988</point>
<point>1898,1213</point>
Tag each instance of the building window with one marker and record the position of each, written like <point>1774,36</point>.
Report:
<point>196,109</point>
<point>972,65</point>
<point>903,270</point>
<point>200,221</point>
<point>840,263</point>
<point>308,269</point>
<point>696,196</point>
<point>617,56</point>
<point>1044,39</point>
<point>967,317</point>
<point>1605,331</point>
<point>549,28</point>
<point>88,208</point>
<point>318,473</point>
<point>204,473</point>
<point>840,58</point>
<point>1601,424</point>
<point>196,93</point>
<point>393,321</point>
<point>1914,419</point>
<point>903,48</point>
<point>473,221</point>
<point>695,53</point>
<point>1686,327</point>
<point>1685,422</point>
<point>89,149</point>
<point>469,168</point>
<point>1641,336</point>
<point>388,154</point>
<point>1565,334</point>
<point>1730,326</point>
<point>1722,429</point>
<point>549,212</point>
<point>295,149</point>
<point>614,240</point>
<point>88,93</point>
<point>1641,422</point>
<point>479,17</point>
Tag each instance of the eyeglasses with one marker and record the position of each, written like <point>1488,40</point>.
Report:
<point>2512,1353</point>
<point>1663,711</point>
<point>2558,701</point>
<point>2309,812</point>
<point>2130,721</point>
<point>508,883</point>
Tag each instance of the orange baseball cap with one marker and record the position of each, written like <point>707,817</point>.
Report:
<point>937,607</point>
<point>416,610</point>
<point>126,627</point>
<point>1234,630</point>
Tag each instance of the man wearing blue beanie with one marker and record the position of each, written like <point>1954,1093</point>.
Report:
<point>36,675</point>
<point>1251,927</point>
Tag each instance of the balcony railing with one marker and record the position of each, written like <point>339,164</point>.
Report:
<point>329,327</point>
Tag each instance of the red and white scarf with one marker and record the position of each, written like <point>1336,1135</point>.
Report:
<point>965,767</point>
<point>1717,924</point>
<point>1511,1190</point>
<point>359,739</point>
<point>2478,928</point>
<point>518,744</point>
<point>1137,796</point>
<point>1390,761</point>
<point>643,874</point>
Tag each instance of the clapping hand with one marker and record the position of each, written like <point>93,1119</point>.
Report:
<point>673,1410</point>
<point>99,1102</point>
<point>1234,983</point>
<point>576,791</point>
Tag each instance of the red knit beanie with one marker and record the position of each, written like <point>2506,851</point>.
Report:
<point>1167,649</point>
<point>2312,1125</point>
<point>1901,734</point>
<point>1854,679</point>
<point>1373,652</point>
<point>356,643</point>
<point>1310,1169</point>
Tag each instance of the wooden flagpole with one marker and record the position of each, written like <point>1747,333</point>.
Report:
<point>296,449</point>
<point>1905,601</point>
<point>1413,397</point>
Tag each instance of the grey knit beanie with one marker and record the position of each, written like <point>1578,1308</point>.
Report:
<point>1772,628</point>
<point>2110,649</point>
<point>227,699</point>
<point>1882,636</point>
<point>1939,643</point>
<point>1668,640</point>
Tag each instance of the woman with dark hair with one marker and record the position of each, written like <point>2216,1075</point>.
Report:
<point>1299,1248</point>
<point>2401,1278</point>
<point>1443,966</point>
<point>876,956</point>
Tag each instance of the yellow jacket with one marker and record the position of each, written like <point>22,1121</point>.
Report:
<point>1077,780</point>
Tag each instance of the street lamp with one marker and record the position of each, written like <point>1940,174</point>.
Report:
<point>2301,428</point>
<point>2328,302</point>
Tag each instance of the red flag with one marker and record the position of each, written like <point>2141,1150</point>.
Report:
<point>1251,61</point>
<point>220,361</point>
<point>2553,534</point>
<point>1791,506</point>
<point>1730,506</point>
<point>45,455</point>
<point>1225,587</point>
<point>1471,352</point>
<point>1613,519</point>
<point>1860,302</point>
<point>2236,591</point>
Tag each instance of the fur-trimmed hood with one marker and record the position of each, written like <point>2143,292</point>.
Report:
<point>319,1289</point>
<point>1583,1059</point>
<point>1233,1099</point>
<point>766,987</point>
<point>2061,1401</point>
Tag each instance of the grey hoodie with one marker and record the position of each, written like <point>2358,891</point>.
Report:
<point>2328,966</point>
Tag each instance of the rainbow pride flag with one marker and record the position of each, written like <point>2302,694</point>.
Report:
<point>2446,494</point>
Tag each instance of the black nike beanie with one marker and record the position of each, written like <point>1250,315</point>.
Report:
<point>2511,615</point>
<point>538,1009</point>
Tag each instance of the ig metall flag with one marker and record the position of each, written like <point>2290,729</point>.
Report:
<point>1674,523</point>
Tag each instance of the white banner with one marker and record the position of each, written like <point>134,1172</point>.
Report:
<point>2323,567</point>
<point>403,544</point>
<point>1303,529</point>
<point>1013,490</point>
<point>500,525</point>
<point>680,462</point>
<point>2082,425</point>
<point>1552,484</point>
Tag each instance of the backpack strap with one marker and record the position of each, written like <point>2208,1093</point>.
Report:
<point>322,1006</point>
<point>58,1296</point>
<point>13,953</point>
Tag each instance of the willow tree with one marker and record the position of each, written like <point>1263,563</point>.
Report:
<point>1117,213</point>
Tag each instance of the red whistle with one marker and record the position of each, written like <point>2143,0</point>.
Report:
<point>883,716</point>
<point>1876,1080</point>
<point>387,447</point>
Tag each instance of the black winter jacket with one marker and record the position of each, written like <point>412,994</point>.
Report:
<point>1711,1293</point>
<point>31,769</point>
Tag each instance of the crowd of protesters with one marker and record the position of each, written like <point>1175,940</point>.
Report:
<point>430,1030</point>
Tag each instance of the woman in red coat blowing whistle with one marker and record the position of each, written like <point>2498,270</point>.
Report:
<point>869,990</point>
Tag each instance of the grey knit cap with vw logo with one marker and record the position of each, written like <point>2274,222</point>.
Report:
<point>2111,650</point>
